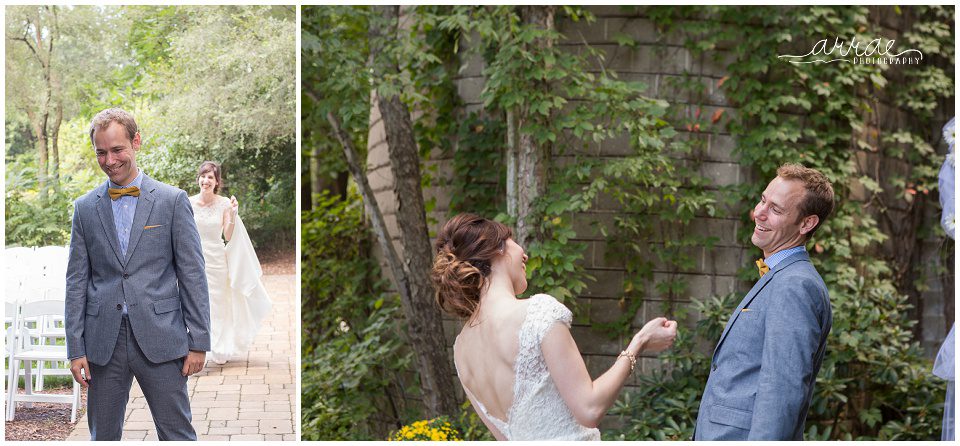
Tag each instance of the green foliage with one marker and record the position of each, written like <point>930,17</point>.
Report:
<point>352,349</point>
<point>344,377</point>
<point>204,83</point>
<point>871,334</point>
<point>334,52</point>
<point>479,172</point>
<point>31,221</point>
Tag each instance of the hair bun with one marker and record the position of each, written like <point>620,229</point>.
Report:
<point>458,284</point>
<point>466,247</point>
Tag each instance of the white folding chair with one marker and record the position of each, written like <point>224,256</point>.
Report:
<point>10,309</point>
<point>10,327</point>
<point>50,330</point>
<point>17,254</point>
<point>23,354</point>
<point>52,258</point>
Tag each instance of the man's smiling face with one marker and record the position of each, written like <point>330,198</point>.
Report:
<point>777,216</point>
<point>117,153</point>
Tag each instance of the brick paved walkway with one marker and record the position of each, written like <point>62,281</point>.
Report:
<point>252,399</point>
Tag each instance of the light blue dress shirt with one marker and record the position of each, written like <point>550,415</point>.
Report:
<point>124,208</point>
<point>778,256</point>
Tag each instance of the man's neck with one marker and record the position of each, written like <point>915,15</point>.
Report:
<point>129,181</point>
<point>786,246</point>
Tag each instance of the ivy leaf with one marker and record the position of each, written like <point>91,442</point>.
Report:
<point>623,39</point>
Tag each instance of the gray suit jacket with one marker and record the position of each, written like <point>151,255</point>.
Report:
<point>766,363</point>
<point>161,278</point>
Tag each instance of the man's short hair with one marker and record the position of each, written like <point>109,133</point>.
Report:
<point>818,199</point>
<point>103,119</point>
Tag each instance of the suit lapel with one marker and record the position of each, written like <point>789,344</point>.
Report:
<point>144,206</point>
<point>755,291</point>
<point>105,211</point>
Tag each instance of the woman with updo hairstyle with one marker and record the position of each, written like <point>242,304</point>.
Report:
<point>238,299</point>
<point>516,359</point>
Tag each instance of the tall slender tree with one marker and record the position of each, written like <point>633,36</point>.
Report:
<point>423,317</point>
<point>38,29</point>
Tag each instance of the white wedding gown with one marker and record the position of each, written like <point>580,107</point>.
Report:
<point>238,301</point>
<point>538,412</point>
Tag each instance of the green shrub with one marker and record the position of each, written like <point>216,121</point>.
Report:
<point>353,356</point>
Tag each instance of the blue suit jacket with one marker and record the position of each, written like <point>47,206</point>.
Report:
<point>161,277</point>
<point>766,363</point>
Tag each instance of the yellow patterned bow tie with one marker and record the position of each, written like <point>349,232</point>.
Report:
<point>762,267</point>
<point>117,192</point>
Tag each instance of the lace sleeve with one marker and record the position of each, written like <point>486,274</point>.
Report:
<point>546,310</point>
<point>223,205</point>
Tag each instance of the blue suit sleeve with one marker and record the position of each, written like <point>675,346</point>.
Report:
<point>191,276</point>
<point>75,301</point>
<point>792,337</point>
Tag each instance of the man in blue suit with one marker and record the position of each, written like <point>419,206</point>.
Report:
<point>766,362</point>
<point>136,298</point>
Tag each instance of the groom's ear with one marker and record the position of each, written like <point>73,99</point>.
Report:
<point>808,223</point>
<point>136,141</point>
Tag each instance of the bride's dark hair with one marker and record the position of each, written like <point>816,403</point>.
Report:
<point>465,247</point>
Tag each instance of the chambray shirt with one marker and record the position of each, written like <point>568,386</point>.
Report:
<point>778,256</point>
<point>124,208</point>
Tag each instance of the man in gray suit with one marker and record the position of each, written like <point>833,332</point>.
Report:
<point>136,303</point>
<point>766,362</point>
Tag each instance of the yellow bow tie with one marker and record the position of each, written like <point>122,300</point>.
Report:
<point>117,192</point>
<point>762,267</point>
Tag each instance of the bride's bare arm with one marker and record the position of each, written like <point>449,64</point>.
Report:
<point>229,219</point>
<point>590,399</point>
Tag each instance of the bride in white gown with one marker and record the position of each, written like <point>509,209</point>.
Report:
<point>516,359</point>
<point>238,301</point>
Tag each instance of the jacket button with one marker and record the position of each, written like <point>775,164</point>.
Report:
<point>119,307</point>
<point>125,275</point>
<point>714,367</point>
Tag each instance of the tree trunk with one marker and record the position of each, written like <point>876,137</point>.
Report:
<point>424,326</point>
<point>38,121</point>
<point>531,158</point>
<point>511,159</point>
<point>54,130</point>
<point>56,97</point>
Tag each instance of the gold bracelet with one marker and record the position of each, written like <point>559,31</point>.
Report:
<point>632,358</point>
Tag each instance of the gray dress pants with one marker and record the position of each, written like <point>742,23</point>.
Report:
<point>164,388</point>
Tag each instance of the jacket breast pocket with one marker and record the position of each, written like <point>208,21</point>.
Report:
<point>750,319</point>
<point>93,308</point>
<point>156,237</point>
<point>746,334</point>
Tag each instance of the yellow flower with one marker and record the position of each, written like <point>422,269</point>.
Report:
<point>434,429</point>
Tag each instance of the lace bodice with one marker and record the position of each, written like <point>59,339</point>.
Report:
<point>538,411</point>
<point>209,219</point>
